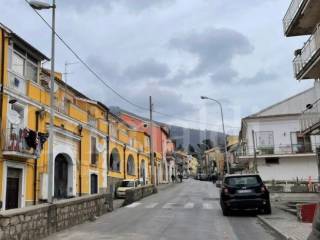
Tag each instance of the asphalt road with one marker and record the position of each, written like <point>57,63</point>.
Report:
<point>187,211</point>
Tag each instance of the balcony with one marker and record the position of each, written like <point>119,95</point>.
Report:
<point>280,150</point>
<point>92,121</point>
<point>307,61</point>
<point>15,146</point>
<point>310,118</point>
<point>301,18</point>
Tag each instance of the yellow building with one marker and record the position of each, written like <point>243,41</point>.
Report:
<point>129,153</point>
<point>214,161</point>
<point>87,151</point>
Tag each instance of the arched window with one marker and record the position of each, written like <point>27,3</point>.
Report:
<point>130,165</point>
<point>114,160</point>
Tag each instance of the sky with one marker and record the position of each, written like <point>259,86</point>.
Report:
<point>173,50</point>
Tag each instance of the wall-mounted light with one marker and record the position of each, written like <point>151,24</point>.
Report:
<point>80,128</point>
<point>13,101</point>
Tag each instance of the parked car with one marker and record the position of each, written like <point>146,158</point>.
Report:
<point>203,177</point>
<point>244,192</point>
<point>125,185</point>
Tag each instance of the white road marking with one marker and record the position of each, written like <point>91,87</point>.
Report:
<point>208,206</point>
<point>133,205</point>
<point>152,205</point>
<point>189,205</point>
<point>169,205</point>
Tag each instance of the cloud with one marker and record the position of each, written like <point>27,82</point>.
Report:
<point>147,69</point>
<point>106,5</point>
<point>213,48</point>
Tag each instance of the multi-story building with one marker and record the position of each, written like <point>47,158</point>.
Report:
<point>303,19</point>
<point>213,161</point>
<point>272,143</point>
<point>90,145</point>
<point>160,137</point>
<point>129,153</point>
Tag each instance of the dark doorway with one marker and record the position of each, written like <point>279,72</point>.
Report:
<point>61,177</point>
<point>94,183</point>
<point>13,188</point>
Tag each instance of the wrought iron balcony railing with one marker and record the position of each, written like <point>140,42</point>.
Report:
<point>310,117</point>
<point>280,150</point>
<point>14,143</point>
<point>310,48</point>
<point>291,13</point>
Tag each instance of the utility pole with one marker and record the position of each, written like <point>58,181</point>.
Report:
<point>151,143</point>
<point>255,168</point>
<point>51,160</point>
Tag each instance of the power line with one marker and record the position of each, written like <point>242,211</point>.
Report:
<point>107,85</point>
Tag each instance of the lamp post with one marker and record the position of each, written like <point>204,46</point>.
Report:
<point>37,5</point>
<point>224,133</point>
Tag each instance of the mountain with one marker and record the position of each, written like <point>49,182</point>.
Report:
<point>184,136</point>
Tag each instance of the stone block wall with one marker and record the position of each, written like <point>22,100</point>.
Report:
<point>39,221</point>
<point>133,195</point>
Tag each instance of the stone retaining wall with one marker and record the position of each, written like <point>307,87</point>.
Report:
<point>133,195</point>
<point>39,221</point>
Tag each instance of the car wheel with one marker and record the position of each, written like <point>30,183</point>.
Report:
<point>267,209</point>
<point>225,212</point>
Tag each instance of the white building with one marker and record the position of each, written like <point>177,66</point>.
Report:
<point>282,152</point>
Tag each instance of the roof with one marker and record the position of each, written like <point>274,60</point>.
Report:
<point>242,175</point>
<point>16,37</point>
<point>291,106</point>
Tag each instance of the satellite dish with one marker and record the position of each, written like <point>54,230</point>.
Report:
<point>14,117</point>
<point>100,148</point>
<point>55,87</point>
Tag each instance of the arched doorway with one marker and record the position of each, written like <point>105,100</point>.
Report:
<point>143,171</point>
<point>61,176</point>
<point>114,160</point>
<point>130,165</point>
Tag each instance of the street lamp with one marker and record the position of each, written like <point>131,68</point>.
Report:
<point>37,5</point>
<point>224,133</point>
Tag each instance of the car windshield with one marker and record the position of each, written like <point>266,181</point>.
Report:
<point>127,184</point>
<point>243,181</point>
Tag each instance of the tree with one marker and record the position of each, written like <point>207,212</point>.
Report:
<point>191,149</point>
<point>180,148</point>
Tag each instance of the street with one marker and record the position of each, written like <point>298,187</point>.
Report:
<point>185,211</point>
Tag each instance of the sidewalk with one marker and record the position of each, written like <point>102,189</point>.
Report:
<point>286,225</point>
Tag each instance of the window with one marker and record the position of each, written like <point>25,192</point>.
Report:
<point>94,153</point>
<point>114,163</point>
<point>247,181</point>
<point>31,72</point>
<point>18,64</point>
<point>113,131</point>
<point>264,142</point>
<point>17,116</point>
<point>272,160</point>
<point>264,139</point>
<point>130,165</point>
<point>23,64</point>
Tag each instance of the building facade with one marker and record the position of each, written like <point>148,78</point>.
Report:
<point>92,150</point>
<point>272,143</point>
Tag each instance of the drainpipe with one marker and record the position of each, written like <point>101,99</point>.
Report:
<point>35,164</point>
<point>80,128</point>
<point>124,161</point>
<point>108,145</point>
<point>2,76</point>
<point>138,156</point>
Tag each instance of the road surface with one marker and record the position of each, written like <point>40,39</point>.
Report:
<point>187,211</point>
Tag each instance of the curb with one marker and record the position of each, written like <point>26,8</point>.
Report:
<point>278,231</point>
